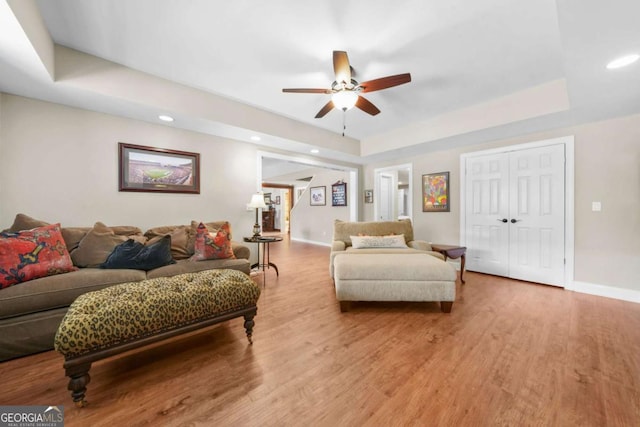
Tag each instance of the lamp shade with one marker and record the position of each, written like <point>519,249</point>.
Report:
<point>344,99</point>
<point>257,201</point>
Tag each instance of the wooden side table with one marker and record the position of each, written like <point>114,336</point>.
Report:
<point>453,252</point>
<point>266,261</point>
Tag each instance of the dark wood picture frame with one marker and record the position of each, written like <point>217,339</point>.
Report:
<point>317,196</point>
<point>435,192</point>
<point>158,170</point>
<point>339,194</point>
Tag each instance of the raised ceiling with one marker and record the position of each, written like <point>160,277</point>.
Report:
<point>480,69</point>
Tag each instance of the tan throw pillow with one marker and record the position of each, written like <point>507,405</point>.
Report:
<point>179,239</point>
<point>23,222</point>
<point>95,246</point>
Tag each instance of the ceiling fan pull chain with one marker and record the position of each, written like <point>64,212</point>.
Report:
<point>344,121</point>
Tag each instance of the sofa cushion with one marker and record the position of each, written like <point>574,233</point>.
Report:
<point>180,239</point>
<point>60,290</point>
<point>214,245</point>
<point>30,254</point>
<point>135,255</point>
<point>362,242</point>
<point>343,230</point>
<point>25,222</point>
<point>99,242</point>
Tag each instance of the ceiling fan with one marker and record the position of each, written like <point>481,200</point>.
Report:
<point>345,91</point>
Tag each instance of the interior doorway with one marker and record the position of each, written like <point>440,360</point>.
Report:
<point>393,186</point>
<point>278,213</point>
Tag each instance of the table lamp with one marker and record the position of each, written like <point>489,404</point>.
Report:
<point>257,202</point>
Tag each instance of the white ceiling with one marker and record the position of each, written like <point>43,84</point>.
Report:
<point>461,54</point>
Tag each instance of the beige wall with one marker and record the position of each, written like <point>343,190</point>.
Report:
<point>607,169</point>
<point>60,164</point>
<point>315,223</point>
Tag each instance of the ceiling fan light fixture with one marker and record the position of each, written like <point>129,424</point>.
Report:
<point>344,99</point>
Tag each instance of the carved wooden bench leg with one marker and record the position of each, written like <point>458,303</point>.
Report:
<point>445,306</point>
<point>248,326</point>
<point>345,306</point>
<point>78,380</point>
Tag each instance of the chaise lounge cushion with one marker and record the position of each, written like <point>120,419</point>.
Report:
<point>342,242</point>
<point>343,230</point>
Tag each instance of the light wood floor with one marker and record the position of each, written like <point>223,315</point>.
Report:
<point>509,354</point>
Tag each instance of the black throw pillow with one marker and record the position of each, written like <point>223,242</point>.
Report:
<point>135,255</point>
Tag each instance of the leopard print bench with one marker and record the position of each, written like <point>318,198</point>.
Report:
<point>111,321</point>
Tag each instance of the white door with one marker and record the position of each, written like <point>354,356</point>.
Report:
<point>515,215</point>
<point>536,215</point>
<point>487,211</point>
<point>385,204</point>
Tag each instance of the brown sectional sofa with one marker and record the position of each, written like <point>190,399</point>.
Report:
<point>30,312</point>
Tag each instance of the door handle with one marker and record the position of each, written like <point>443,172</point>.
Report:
<point>513,221</point>
<point>502,220</point>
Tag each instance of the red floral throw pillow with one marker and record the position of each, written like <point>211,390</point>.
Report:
<point>215,245</point>
<point>28,255</point>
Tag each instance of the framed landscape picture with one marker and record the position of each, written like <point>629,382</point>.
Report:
<point>435,192</point>
<point>317,195</point>
<point>158,170</point>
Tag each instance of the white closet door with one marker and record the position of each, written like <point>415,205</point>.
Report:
<point>514,214</point>
<point>487,210</point>
<point>536,215</point>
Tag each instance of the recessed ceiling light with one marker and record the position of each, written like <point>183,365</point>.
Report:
<point>255,138</point>
<point>315,151</point>
<point>623,61</point>
<point>165,118</point>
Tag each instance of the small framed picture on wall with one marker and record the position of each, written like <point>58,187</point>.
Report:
<point>317,195</point>
<point>339,194</point>
<point>368,196</point>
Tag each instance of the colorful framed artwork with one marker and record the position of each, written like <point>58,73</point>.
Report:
<point>317,195</point>
<point>435,192</point>
<point>339,194</point>
<point>158,170</point>
<point>368,196</point>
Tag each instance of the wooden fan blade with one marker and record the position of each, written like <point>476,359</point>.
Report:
<point>385,82</point>
<point>366,106</point>
<point>328,91</point>
<point>327,107</point>
<point>341,66</point>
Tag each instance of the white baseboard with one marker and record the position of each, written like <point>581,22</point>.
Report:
<point>606,291</point>
<point>311,242</point>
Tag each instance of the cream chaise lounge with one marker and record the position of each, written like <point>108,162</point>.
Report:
<point>366,266</point>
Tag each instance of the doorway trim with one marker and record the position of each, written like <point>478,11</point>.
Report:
<point>569,221</point>
<point>376,187</point>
